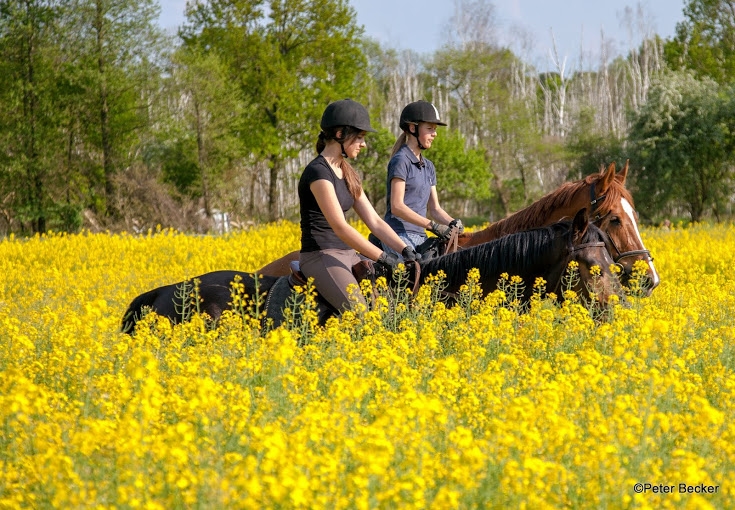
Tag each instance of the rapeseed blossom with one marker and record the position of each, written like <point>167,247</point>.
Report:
<point>412,403</point>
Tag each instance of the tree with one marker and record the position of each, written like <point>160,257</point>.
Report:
<point>683,138</point>
<point>27,123</point>
<point>290,58</point>
<point>116,44</point>
<point>591,148</point>
<point>705,40</point>
<point>463,175</point>
<point>204,113</point>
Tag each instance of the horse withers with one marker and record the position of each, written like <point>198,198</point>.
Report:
<point>543,252</point>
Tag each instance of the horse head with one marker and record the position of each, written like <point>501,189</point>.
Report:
<point>588,248</point>
<point>612,210</point>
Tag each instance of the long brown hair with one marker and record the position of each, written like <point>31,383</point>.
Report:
<point>351,177</point>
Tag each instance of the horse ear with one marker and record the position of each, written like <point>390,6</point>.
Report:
<point>579,224</point>
<point>623,173</point>
<point>607,177</point>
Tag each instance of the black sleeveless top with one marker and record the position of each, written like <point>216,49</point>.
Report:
<point>316,234</point>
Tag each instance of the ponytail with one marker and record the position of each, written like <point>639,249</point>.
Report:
<point>321,142</point>
<point>351,177</point>
<point>399,143</point>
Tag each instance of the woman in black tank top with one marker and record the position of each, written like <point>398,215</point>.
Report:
<point>328,188</point>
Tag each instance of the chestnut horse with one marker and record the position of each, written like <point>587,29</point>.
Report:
<point>603,193</point>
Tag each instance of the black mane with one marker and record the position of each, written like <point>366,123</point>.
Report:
<point>516,254</point>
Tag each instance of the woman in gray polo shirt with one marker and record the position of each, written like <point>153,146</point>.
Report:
<point>413,204</point>
<point>328,188</point>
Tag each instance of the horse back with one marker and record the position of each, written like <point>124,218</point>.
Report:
<point>210,293</point>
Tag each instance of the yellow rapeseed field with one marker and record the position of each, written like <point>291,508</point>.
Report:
<point>471,406</point>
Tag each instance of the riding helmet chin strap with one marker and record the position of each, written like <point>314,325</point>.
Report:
<point>416,134</point>
<point>341,141</point>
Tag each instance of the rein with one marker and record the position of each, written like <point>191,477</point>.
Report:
<point>597,219</point>
<point>452,242</point>
<point>416,278</point>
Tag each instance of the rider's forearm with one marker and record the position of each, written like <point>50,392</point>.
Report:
<point>407,214</point>
<point>440,216</point>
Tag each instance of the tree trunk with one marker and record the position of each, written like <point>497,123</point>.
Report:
<point>35,181</point>
<point>273,188</point>
<point>104,112</point>
<point>202,158</point>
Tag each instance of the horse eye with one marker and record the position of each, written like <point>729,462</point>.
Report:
<point>615,221</point>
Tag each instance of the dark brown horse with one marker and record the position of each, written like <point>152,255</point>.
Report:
<point>543,252</point>
<point>604,194</point>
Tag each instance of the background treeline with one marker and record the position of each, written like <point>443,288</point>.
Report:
<point>106,122</point>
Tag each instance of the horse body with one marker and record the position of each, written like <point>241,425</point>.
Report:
<point>210,293</point>
<point>543,252</point>
<point>603,194</point>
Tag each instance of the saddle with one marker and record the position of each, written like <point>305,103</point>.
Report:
<point>363,270</point>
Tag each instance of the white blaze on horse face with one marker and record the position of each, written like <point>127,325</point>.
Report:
<point>631,214</point>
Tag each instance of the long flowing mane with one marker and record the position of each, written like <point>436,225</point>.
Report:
<point>561,198</point>
<point>515,253</point>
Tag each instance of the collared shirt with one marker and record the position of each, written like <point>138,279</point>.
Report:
<point>419,176</point>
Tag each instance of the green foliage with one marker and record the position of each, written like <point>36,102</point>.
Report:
<point>590,148</point>
<point>201,137</point>
<point>178,162</point>
<point>683,140</point>
<point>705,40</point>
<point>28,117</point>
<point>290,58</point>
<point>462,173</point>
<point>114,46</point>
<point>74,77</point>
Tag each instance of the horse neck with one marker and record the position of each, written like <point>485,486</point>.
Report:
<point>495,258</point>
<point>562,203</point>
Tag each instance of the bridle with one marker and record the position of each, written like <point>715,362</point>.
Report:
<point>597,219</point>
<point>572,249</point>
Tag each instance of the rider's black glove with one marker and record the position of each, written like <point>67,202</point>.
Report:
<point>457,223</point>
<point>410,255</point>
<point>388,260</point>
<point>441,231</point>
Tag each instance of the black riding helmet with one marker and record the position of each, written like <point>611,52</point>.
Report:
<point>346,112</point>
<point>419,111</point>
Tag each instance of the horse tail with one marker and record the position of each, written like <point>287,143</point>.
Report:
<point>135,310</point>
